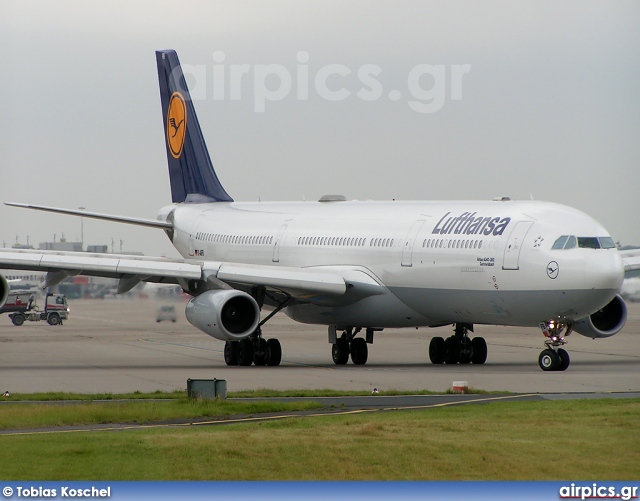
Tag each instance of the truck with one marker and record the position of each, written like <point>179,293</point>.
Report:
<point>23,306</point>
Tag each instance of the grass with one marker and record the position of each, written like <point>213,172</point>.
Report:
<point>37,415</point>
<point>177,395</point>
<point>579,439</point>
<point>60,396</point>
<point>39,410</point>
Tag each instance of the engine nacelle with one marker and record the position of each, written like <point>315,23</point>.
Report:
<point>4,290</point>
<point>605,322</point>
<point>228,315</point>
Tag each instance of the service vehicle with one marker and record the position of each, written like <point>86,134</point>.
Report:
<point>22,306</point>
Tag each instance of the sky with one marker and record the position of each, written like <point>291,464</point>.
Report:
<point>414,100</point>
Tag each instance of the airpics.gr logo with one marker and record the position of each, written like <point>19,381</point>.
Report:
<point>176,124</point>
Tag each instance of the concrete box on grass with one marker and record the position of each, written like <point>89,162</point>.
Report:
<point>207,388</point>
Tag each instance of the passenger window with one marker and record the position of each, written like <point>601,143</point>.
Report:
<point>559,244</point>
<point>571,243</point>
<point>588,243</point>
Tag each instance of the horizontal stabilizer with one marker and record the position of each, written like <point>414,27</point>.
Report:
<point>152,223</point>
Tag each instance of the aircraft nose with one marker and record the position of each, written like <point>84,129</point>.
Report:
<point>604,270</point>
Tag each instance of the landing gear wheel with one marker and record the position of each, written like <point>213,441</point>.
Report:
<point>261,352</point>
<point>275,352</point>
<point>245,352</point>
<point>479,350</point>
<point>555,331</point>
<point>549,360</point>
<point>231,353</point>
<point>452,351</point>
<point>437,350</point>
<point>340,352</point>
<point>17,319</point>
<point>564,359</point>
<point>359,351</point>
<point>54,319</point>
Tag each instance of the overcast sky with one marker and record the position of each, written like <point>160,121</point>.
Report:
<point>405,100</point>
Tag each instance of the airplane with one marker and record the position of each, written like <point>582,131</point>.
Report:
<point>630,290</point>
<point>19,280</point>
<point>357,267</point>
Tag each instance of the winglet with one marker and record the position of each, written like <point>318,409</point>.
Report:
<point>191,173</point>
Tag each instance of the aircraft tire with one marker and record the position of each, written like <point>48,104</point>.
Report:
<point>245,352</point>
<point>261,353</point>
<point>437,350</point>
<point>340,352</point>
<point>274,350</point>
<point>231,353</point>
<point>452,351</point>
<point>549,360</point>
<point>359,351</point>
<point>479,350</point>
<point>565,360</point>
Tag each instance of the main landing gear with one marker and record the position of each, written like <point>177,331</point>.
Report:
<point>459,348</point>
<point>348,344</point>
<point>554,358</point>
<point>255,349</point>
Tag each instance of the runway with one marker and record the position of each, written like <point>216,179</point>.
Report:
<point>116,346</point>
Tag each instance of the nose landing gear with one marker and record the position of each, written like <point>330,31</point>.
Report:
<point>554,358</point>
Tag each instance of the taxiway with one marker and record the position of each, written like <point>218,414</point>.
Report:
<point>116,346</point>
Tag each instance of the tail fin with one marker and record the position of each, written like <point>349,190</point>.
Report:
<point>193,179</point>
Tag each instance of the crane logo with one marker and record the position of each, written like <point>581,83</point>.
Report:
<point>176,124</point>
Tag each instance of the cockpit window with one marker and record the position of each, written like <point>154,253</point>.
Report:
<point>559,244</point>
<point>588,243</point>
<point>571,243</point>
<point>606,242</point>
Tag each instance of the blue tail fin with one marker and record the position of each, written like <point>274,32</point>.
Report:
<point>193,179</point>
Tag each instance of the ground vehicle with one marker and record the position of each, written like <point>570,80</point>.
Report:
<point>23,306</point>
<point>166,312</point>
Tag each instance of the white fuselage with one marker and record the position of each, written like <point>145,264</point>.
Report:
<point>439,262</point>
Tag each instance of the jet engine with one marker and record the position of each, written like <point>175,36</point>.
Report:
<point>228,315</point>
<point>4,290</point>
<point>605,322</point>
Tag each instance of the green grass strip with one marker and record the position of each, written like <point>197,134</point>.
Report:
<point>177,395</point>
<point>542,440</point>
<point>38,415</point>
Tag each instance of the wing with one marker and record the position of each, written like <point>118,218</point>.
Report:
<point>322,284</point>
<point>631,259</point>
